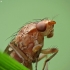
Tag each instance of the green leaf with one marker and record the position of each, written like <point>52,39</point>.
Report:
<point>8,63</point>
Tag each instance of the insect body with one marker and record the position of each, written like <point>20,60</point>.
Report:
<point>26,47</point>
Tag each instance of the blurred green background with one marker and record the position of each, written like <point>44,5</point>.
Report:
<point>15,13</point>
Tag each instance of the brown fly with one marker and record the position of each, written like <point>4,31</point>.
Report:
<point>26,47</point>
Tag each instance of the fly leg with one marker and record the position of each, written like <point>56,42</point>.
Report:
<point>44,52</point>
<point>36,63</point>
<point>36,49</point>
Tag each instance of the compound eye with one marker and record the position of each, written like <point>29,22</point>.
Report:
<point>41,26</point>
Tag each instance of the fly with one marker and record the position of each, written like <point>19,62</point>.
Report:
<point>26,47</point>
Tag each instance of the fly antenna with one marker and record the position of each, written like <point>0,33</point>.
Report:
<point>55,16</point>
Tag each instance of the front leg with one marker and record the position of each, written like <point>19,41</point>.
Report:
<point>44,52</point>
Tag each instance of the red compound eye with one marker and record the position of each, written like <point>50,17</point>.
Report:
<point>41,26</point>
